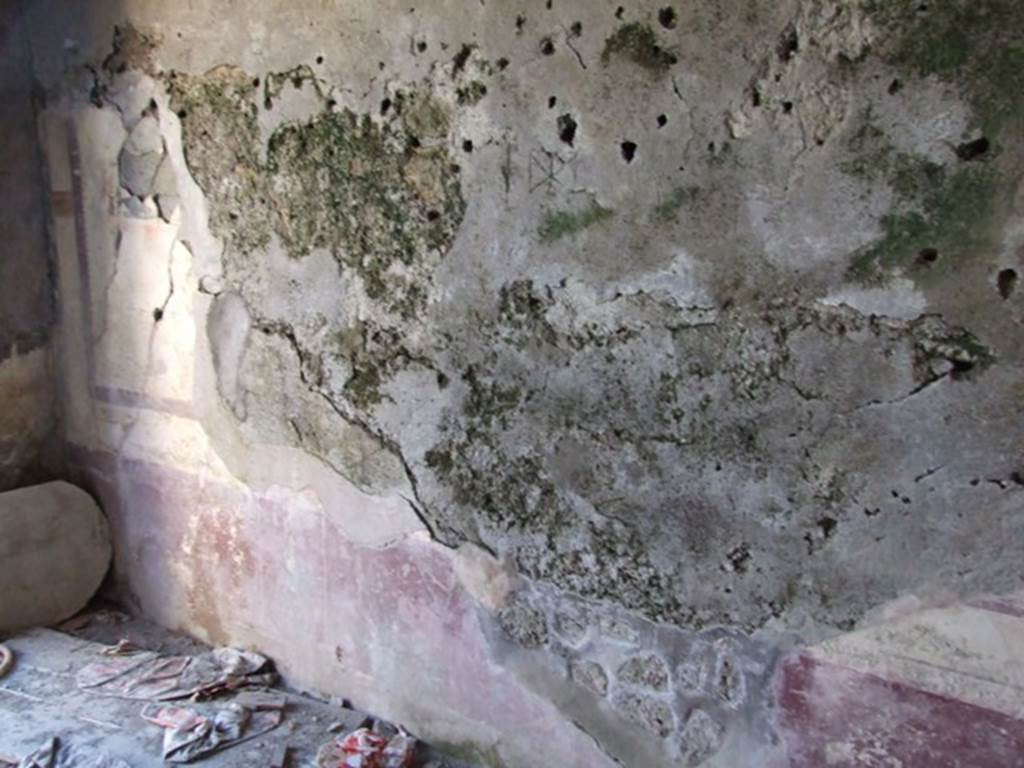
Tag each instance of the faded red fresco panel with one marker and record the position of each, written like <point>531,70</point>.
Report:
<point>1011,605</point>
<point>833,717</point>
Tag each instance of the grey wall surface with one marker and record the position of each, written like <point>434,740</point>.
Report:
<point>727,352</point>
<point>26,294</point>
<point>702,319</point>
<point>28,412</point>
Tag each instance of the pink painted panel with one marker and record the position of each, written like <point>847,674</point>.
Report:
<point>835,717</point>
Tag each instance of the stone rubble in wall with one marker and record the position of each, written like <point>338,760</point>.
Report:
<point>688,689</point>
<point>148,183</point>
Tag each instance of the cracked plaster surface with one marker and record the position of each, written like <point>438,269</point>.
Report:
<point>732,354</point>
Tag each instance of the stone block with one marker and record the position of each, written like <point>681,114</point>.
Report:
<point>54,551</point>
<point>141,157</point>
<point>571,627</point>
<point>618,630</point>
<point>590,675</point>
<point>645,671</point>
<point>524,623</point>
<point>649,712</point>
<point>701,737</point>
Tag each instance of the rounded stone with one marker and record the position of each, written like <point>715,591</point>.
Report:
<point>524,623</point>
<point>647,671</point>
<point>571,627</point>
<point>701,737</point>
<point>590,675</point>
<point>54,552</point>
<point>649,712</point>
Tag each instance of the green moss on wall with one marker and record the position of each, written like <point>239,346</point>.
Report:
<point>668,209</point>
<point>386,206</point>
<point>953,221</point>
<point>976,44</point>
<point>943,217</point>
<point>637,43</point>
<point>223,149</point>
<point>344,183</point>
<point>559,224</point>
<point>368,193</point>
<point>471,93</point>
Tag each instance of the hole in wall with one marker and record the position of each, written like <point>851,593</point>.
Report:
<point>467,146</point>
<point>789,46</point>
<point>972,150</point>
<point>576,29</point>
<point>547,46</point>
<point>787,107</point>
<point>960,369</point>
<point>628,151</point>
<point>662,121</point>
<point>927,256</point>
<point>1006,282</point>
<point>619,11</point>
<point>460,59</point>
<point>158,314</point>
<point>895,87</point>
<point>385,105</point>
<point>566,128</point>
<point>503,63</point>
<point>319,59</point>
<point>667,17</point>
<point>552,100</point>
<point>520,23</point>
<point>421,46</point>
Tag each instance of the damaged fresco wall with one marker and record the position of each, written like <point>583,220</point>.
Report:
<point>29,444</point>
<point>537,373</point>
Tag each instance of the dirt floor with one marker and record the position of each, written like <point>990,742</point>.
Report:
<point>52,692</point>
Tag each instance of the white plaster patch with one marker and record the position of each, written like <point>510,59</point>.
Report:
<point>899,299</point>
<point>824,216</point>
<point>927,120</point>
<point>291,104</point>
<point>145,340</point>
<point>963,653</point>
<point>483,576</point>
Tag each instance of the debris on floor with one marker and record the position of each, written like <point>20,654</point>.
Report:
<point>55,753</point>
<point>363,748</point>
<point>110,691</point>
<point>188,734</point>
<point>144,675</point>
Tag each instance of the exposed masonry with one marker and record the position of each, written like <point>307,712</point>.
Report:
<point>729,396</point>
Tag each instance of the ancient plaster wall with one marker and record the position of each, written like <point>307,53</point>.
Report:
<point>538,374</point>
<point>28,408</point>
